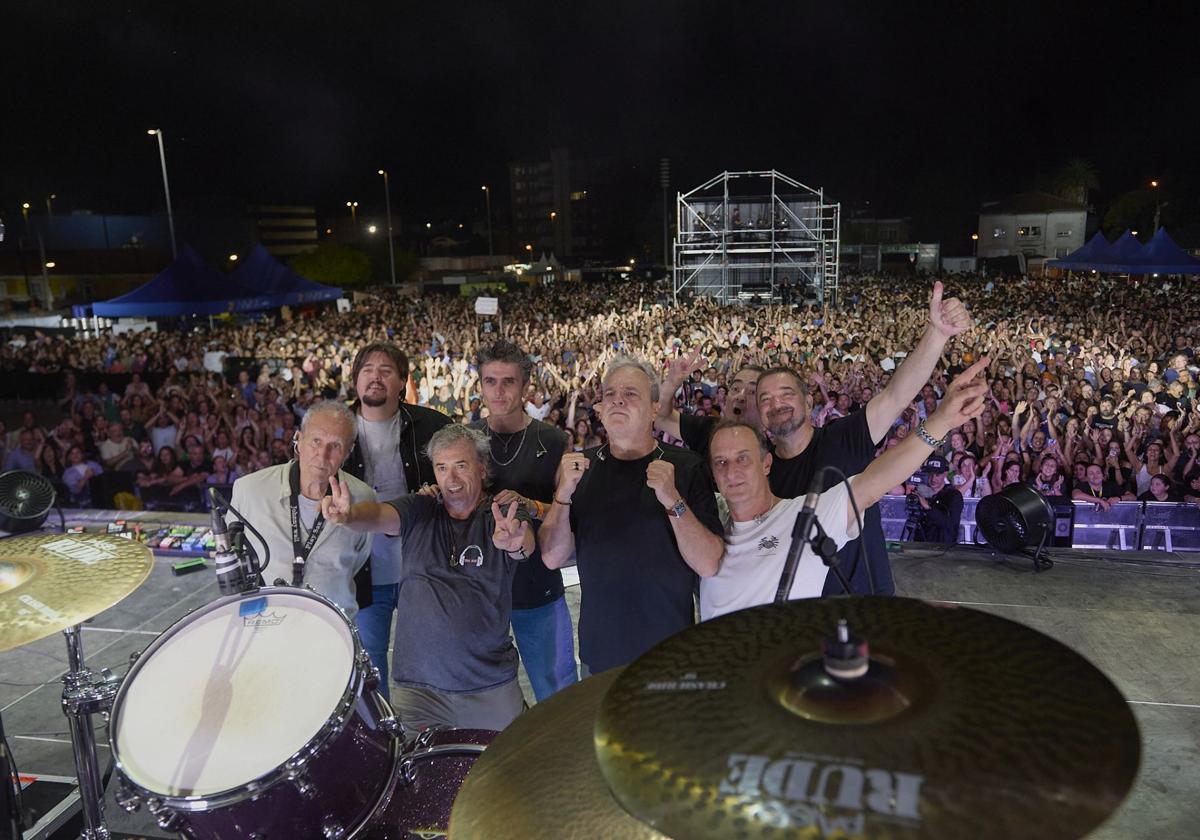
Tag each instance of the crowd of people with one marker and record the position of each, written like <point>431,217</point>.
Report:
<point>1092,379</point>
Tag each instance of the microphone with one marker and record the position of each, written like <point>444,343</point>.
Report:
<point>231,577</point>
<point>800,532</point>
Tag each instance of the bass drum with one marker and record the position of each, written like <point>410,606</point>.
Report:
<point>256,716</point>
<point>419,798</point>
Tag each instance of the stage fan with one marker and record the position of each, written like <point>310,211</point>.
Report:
<point>1016,518</point>
<point>26,499</point>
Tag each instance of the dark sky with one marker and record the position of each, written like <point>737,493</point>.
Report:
<point>912,106</point>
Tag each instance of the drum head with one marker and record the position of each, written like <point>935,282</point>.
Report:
<point>230,692</point>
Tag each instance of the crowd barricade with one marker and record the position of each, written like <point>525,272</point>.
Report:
<point>1126,526</point>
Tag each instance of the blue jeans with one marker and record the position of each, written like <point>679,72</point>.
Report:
<point>547,645</point>
<point>375,628</point>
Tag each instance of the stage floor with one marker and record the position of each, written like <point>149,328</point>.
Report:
<point>1139,622</point>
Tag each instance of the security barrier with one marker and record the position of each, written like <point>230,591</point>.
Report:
<point>1126,526</point>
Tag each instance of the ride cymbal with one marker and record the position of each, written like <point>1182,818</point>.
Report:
<point>49,582</point>
<point>964,725</point>
<point>539,778</point>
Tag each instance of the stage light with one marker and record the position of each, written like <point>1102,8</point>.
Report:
<point>233,257</point>
<point>371,228</point>
<point>1015,519</point>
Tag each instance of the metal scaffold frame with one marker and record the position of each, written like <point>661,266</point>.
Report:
<point>791,232</point>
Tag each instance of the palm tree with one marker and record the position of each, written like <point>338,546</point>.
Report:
<point>1075,179</point>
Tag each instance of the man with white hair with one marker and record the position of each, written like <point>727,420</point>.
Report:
<point>284,503</point>
<point>453,662</point>
<point>641,519</point>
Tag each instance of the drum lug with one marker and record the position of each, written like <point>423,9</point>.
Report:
<point>392,726</point>
<point>332,830</point>
<point>168,821</point>
<point>129,801</point>
<point>299,778</point>
<point>373,677</point>
<point>408,771</point>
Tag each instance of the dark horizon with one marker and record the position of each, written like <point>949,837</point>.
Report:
<point>919,115</point>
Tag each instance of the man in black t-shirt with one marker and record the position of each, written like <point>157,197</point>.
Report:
<point>849,443</point>
<point>641,519</point>
<point>524,458</point>
<point>1100,490</point>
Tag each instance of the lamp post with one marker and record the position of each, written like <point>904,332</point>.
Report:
<point>387,201</point>
<point>162,156</point>
<point>487,193</point>
<point>1158,205</point>
<point>353,205</point>
<point>975,245</point>
<point>49,205</point>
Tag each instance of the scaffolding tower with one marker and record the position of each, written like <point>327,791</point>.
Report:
<point>751,236</point>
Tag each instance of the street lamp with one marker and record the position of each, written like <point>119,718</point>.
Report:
<point>387,201</point>
<point>371,229</point>
<point>1158,204</point>
<point>487,193</point>
<point>975,245</point>
<point>162,156</point>
<point>51,264</point>
<point>353,205</point>
<point>49,206</point>
<point>233,257</point>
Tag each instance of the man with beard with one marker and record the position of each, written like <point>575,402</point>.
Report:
<point>849,443</point>
<point>390,457</point>
<point>758,535</point>
<point>524,458</point>
<point>695,430</point>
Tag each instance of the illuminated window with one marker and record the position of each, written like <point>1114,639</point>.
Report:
<point>579,196</point>
<point>999,233</point>
<point>1030,232</point>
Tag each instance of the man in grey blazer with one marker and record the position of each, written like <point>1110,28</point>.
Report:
<point>284,503</point>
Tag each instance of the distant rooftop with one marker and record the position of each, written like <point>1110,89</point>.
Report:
<point>1030,202</point>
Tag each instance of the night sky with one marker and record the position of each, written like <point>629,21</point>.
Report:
<point>919,109</point>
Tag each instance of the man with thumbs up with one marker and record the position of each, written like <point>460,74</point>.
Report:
<point>849,443</point>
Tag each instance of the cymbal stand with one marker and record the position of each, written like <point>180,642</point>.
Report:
<point>86,693</point>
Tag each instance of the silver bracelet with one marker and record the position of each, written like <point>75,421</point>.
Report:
<point>928,439</point>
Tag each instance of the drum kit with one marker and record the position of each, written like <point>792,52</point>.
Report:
<point>258,715</point>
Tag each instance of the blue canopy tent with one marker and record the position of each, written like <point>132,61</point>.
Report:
<point>1122,256</point>
<point>1085,257</point>
<point>188,286</point>
<point>1162,255</point>
<point>273,284</point>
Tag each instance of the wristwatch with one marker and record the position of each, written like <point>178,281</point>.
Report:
<point>678,509</point>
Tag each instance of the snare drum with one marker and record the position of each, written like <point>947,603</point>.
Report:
<point>417,803</point>
<point>256,716</point>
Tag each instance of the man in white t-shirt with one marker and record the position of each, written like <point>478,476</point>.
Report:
<point>758,534</point>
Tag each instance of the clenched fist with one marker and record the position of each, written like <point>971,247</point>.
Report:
<point>660,477</point>
<point>570,472</point>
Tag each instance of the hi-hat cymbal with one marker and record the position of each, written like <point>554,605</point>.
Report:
<point>49,582</point>
<point>539,778</point>
<point>966,725</point>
